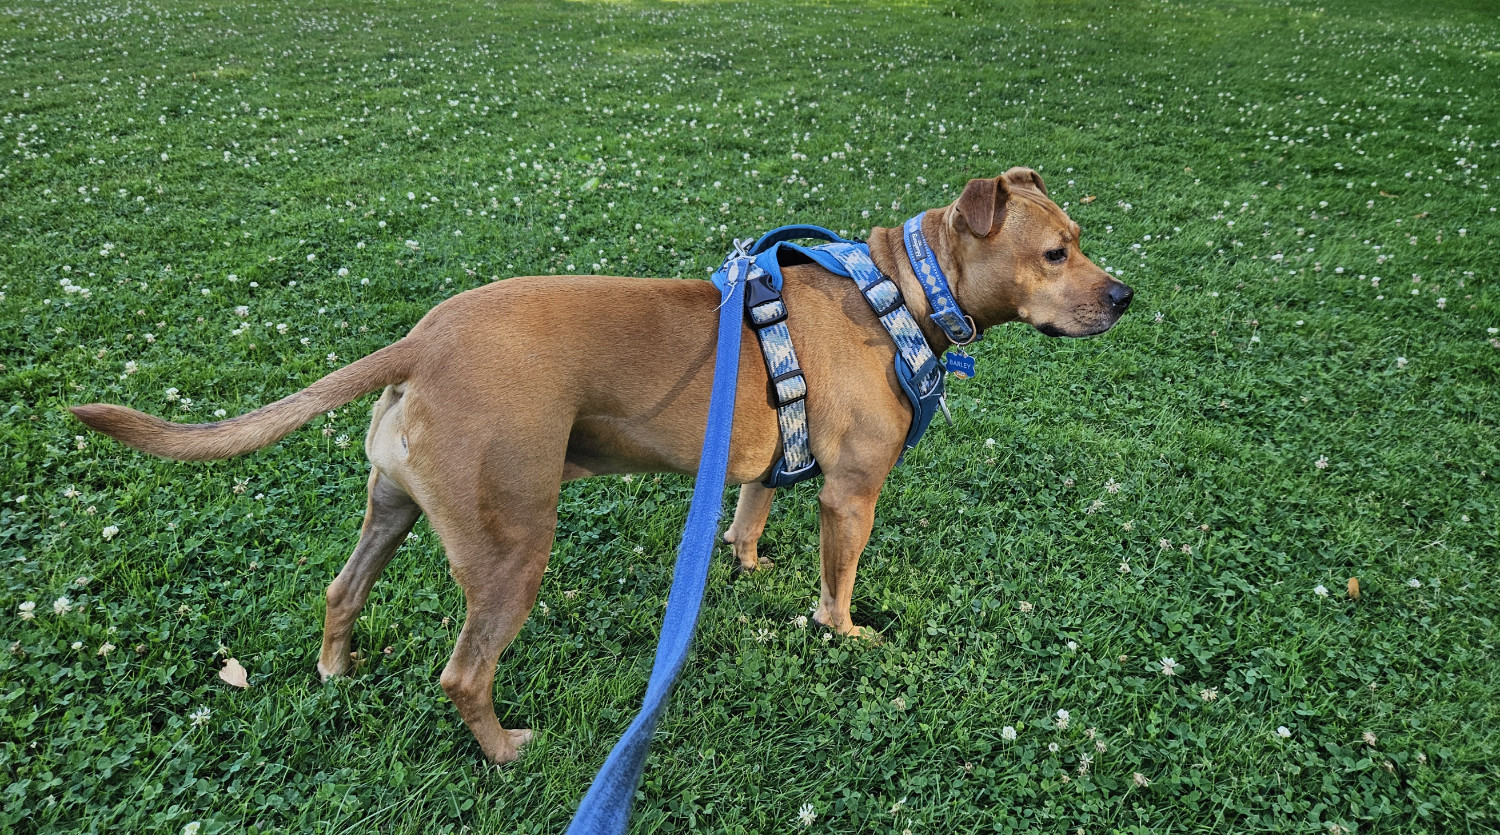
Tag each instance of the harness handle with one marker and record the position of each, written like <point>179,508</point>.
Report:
<point>793,232</point>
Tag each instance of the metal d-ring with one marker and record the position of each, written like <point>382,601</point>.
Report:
<point>973,333</point>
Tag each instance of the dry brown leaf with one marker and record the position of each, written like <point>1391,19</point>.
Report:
<point>1091,198</point>
<point>234,674</point>
<point>1354,588</point>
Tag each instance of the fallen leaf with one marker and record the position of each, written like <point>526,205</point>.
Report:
<point>234,675</point>
<point>1386,194</point>
<point>1354,588</point>
<point>1091,198</point>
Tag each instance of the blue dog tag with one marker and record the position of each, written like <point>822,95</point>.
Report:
<point>959,365</point>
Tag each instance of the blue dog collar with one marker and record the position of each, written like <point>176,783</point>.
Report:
<point>946,312</point>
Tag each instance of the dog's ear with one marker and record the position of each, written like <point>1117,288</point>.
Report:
<point>979,206</point>
<point>1020,177</point>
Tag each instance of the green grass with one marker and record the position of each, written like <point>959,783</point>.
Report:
<point>179,161</point>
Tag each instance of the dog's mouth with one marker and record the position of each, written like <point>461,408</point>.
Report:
<point>1049,329</point>
<point>1093,317</point>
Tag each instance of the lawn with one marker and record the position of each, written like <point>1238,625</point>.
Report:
<point>206,207</point>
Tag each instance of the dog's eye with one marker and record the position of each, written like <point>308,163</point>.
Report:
<point>1057,256</point>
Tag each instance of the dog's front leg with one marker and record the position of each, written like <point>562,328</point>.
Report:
<point>744,532</point>
<point>846,514</point>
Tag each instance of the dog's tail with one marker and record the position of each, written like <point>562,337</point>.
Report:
<point>260,428</point>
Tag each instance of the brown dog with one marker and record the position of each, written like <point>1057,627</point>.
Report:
<point>501,393</point>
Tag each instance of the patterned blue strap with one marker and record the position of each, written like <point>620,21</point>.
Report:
<point>767,313</point>
<point>946,312</point>
<point>885,299</point>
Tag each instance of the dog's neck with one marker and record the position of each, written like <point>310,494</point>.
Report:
<point>888,251</point>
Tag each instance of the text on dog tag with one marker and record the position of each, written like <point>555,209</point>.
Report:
<point>959,365</point>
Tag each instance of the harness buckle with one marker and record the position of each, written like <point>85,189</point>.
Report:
<point>761,294</point>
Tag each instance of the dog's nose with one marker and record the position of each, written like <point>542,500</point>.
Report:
<point>1120,295</point>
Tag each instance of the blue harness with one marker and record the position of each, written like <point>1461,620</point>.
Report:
<point>918,370</point>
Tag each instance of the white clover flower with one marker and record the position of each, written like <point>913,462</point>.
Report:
<point>1111,486</point>
<point>806,814</point>
<point>1053,747</point>
<point>27,610</point>
<point>110,532</point>
<point>800,621</point>
<point>1008,733</point>
<point>1283,732</point>
<point>1414,583</point>
<point>343,272</point>
<point>192,827</point>
<point>1062,720</point>
<point>1208,694</point>
<point>1140,779</point>
<point>1072,646</point>
<point>62,606</point>
<point>1168,667</point>
<point>200,716</point>
<point>1321,463</point>
<point>1320,591</point>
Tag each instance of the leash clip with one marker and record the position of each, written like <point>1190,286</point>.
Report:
<point>943,402</point>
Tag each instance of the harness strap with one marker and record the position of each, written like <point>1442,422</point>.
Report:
<point>767,314</point>
<point>917,370</point>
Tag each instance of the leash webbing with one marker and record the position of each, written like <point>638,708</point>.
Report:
<point>606,807</point>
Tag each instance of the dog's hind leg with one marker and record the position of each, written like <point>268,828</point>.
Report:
<point>500,572</point>
<point>744,532</point>
<point>389,516</point>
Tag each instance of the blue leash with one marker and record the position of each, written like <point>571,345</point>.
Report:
<point>606,806</point>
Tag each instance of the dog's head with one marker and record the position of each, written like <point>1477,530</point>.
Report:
<point>1017,258</point>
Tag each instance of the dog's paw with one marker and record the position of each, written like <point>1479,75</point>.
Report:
<point>324,673</point>
<point>518,738</point>
<point>867,634</point>
<point>753,565</point>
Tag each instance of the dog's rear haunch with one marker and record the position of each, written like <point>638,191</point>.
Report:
<point>502,393</point>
